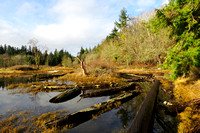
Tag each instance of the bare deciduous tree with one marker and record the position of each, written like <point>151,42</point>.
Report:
<point>34,42</point>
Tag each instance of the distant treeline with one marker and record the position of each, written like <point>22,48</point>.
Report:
<point>10,56</point>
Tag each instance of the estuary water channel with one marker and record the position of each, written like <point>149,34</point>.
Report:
<point>115,121</point>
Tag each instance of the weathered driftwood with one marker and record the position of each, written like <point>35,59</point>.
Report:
<point>178,107</point>
<point>142,123</point>
<point>109,91</point>
<point>66,95</point>
<point>138,77</point>
<point>82,66</point>
<point>74,119</point>
<point>54,87</point>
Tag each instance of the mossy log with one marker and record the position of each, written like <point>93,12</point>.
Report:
<point>74,119</point>
<point>109,91</point>
<point>66,95</point>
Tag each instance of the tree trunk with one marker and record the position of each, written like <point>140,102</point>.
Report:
<point>82,66</point>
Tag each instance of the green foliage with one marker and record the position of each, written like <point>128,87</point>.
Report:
<point>123,19</point>
<point>113,34</point>
<point>182,20</point>
<point>10,56</point>
<point>133,43</point>
<point>66,61</point>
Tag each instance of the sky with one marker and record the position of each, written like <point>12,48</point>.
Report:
<point>64,24</point>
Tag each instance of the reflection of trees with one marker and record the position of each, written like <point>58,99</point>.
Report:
<point>128,110</point>
<point>7,81</point>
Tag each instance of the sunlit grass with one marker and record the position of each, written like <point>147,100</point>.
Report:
<point>186,90</point>
<point>91,79</point>
<point>36,87</point>
<point>15,72</point>
<point>27,121</point>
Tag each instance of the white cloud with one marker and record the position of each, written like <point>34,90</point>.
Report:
<point>68,24</point>
<point>165,2</point>
<point>79,23</point>
<point>12,36</point>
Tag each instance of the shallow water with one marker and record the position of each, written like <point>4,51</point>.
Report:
<point>114,121</point>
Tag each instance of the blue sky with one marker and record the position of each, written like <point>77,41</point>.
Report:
<point>64,24</point>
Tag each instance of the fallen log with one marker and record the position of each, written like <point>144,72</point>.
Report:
<point>143,121</point>
<point>177,107</point>
<point>109,91</point>
<point>74,119</point>
<point>66,95</point>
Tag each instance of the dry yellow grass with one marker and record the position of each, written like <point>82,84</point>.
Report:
<point>186,90</point>
<point>91,79</point>
<point>141,70</point>
<point>28,122</point>
<point>10,72</point>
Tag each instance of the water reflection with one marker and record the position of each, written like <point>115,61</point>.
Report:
<point>116,120</point>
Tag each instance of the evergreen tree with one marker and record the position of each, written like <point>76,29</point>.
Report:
<point>113,34</point>
<point>123,19</point>
<point>1,50</point>
<point>82,51</point>
<point>182,20</point>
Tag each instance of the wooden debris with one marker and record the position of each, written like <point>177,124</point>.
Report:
<point>74,119</point>
<point>143,121</point>
<point>178,107</point>
<point>109,91</point>
<point>66,95</point>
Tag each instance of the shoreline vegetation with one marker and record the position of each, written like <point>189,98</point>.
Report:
<point>164,46</point>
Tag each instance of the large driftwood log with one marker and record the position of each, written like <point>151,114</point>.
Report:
<point>74,119</point>
<point>66,95</point>
<point>142,123</point>
<point>109,91</point>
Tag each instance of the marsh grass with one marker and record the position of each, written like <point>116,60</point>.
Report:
<point>141,70</point>
<point>189,119</point>
<point>98,72</point>
<point>28,121</point>
<point>35,87</point>
<point>13,72</point>
<point>187,89</point>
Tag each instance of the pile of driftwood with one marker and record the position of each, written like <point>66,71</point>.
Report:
<point>74,119</point>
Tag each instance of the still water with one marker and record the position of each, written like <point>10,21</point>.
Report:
<point>115,121</point>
